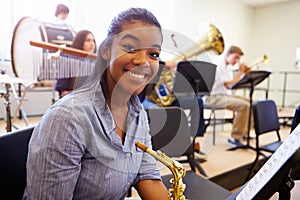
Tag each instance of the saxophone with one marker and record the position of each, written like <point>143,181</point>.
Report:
<point>177,185</point>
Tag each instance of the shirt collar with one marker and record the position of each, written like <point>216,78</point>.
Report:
<point>102,109</point>
<point>134,102</point>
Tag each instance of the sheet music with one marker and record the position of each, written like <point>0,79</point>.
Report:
<point>290,145</point>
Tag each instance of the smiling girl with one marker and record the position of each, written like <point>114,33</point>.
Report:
<point>84,145</point>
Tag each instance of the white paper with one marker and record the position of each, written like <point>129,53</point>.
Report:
<point>290,145</point>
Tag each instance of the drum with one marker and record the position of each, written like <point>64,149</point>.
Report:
<point>26,59</point>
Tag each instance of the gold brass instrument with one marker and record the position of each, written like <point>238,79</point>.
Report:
<point>254,64</point>
<point>264,59</point>
<point>177,185</point>
<point>162,92</point>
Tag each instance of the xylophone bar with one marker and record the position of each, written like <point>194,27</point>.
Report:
<point>66,50</point>
<point>64,66</point>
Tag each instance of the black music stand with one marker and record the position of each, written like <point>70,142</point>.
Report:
<point>194,78</point>
<point>250,80</point>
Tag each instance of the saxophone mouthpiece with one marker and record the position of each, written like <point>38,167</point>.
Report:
<point>141,146</point>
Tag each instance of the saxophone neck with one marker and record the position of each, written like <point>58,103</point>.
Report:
<point>158,155</point>
<point>172,164</point>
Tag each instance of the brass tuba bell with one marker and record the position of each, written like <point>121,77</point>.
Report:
<point>212,40</point>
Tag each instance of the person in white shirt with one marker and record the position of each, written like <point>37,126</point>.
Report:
<point>221,95</point>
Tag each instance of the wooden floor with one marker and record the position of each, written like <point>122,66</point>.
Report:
<point>217,159</point>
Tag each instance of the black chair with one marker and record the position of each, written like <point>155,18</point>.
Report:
<point>296,118</point>
<point>172,135</point>
<point>266,121</point>
<point>13,157</point>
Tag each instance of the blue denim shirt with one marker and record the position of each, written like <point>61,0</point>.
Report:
<point>74,152</point>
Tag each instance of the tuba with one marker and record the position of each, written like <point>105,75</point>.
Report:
<point>162,93</point>
<point>177,185</point>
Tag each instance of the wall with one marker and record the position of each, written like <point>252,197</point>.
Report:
<point>270,30</point>
<point>276,33</point>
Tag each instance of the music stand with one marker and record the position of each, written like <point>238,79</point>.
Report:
<point>194,77</point>
<point>250,80</point>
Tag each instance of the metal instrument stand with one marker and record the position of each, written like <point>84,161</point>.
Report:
<point>20,99</point>
<point>250,80</point>
<point>8,84</point>
<point>5,95</point>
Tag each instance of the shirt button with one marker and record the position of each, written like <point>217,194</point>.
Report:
<point>128,154</point>
<point>128,183</point>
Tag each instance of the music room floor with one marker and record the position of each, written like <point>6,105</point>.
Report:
<point>218,159</point>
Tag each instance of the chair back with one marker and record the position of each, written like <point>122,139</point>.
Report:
<point>265,117</point>
<point>296,118</point>
<point>265,121</point>
<point>13,158</point>
<point>170,131</point>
